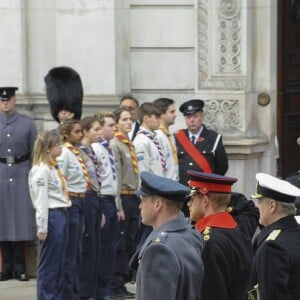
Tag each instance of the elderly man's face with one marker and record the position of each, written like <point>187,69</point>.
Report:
<point>194,121</point>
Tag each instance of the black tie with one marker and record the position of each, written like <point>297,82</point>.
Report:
<point>193,139</point>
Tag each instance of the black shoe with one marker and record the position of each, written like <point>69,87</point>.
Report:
<point>5,276</point>
<point>128,295</point>
<point>122,294</point>
<point>21,276</point>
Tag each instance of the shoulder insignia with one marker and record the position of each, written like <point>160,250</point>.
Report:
<point>206,230</point>
<point>254,293</point>
<point>229,209</point>
<point>273,235</point>
<point>206,235</point>
<point>160,238</point>
<point>25,114</point>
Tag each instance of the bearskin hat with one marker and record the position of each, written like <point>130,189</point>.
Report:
<point>64,91</point>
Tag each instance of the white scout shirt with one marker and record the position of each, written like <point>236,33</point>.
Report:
<point>46,191</point>
<point>172,167</point>
<point>109,184</point>
<point>72,170</point>
<point>147,154</point>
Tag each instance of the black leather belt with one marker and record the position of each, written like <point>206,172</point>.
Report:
<point>64,209</point>
<point>14,159</point>
<point>93,193</point>
<point>108,197</point>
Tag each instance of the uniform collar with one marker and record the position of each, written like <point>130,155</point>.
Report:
<point>218,220</point>
<point>176,224</point>
<point>8,118</point>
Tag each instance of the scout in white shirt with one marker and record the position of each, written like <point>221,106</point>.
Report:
<point>113,213</point>
<point>92,208</point>
<point>148,150</point>
<point>74,169</point>
<point>167,139</point>
<point>50,199</point>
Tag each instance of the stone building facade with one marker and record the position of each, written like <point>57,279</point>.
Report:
<point>222,51</point>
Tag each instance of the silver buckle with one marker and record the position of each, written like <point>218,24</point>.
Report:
<point>10,159</point>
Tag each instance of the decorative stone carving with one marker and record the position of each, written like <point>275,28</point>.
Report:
<point>202,40</point>
<point>223,116</point>
<point>229,37</point>
<point>226,55</point>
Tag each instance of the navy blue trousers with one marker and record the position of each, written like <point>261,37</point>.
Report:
<point>108,248</point>
<point>50,271</point>
<point>127,240</point>
<point>13,256</point>
<point>92,215</point>
<point>73,258</point>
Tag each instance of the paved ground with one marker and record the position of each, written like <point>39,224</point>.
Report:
<point>16,290</point>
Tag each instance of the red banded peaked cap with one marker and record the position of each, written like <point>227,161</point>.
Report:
<point>209,182</point>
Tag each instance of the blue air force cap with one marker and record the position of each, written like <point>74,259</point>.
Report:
<point>167,188</point>
<point>191,106</point>
<point>275,188</point>
<point>7,92</point>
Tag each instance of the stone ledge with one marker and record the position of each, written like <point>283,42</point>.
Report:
<point>251,147</point>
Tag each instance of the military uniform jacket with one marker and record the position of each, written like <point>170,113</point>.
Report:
<point>276,264</point>
<point>227,254</point>
<point>170,264</point>
<point>17,137</point>
<point>217,160</point>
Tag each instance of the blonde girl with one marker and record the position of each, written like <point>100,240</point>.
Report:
<point>50,199</point>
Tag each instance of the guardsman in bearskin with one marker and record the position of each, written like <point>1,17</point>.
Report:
<point>227,221</point>
<point>64,93</point>
<point>17,136</point>
<point>275,271</point>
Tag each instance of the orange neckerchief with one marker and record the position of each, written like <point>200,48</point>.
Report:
<point>54,164</point>
<point>81,161</point>
<point>127,142</point>
<point>218,220</point>
<point>168,134</point>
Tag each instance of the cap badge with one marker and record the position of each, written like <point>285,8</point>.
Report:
<point>4,93</point>
<point>190,107</point>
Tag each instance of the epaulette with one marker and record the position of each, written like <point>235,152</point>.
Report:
<point>25,115</point>
<point>273,235</point>
<point>206,233</point>
<point>161,237</point>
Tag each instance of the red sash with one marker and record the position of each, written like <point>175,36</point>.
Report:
<point>193,152</point>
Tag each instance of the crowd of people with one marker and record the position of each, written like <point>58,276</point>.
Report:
<point>116,197</point>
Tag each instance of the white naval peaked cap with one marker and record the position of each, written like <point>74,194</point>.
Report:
<point>275,188</point>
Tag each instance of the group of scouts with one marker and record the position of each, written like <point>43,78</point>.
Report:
<point>118,198</point>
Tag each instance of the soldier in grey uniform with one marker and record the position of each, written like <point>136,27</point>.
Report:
<point>17,225</point>
<point>169,264</point>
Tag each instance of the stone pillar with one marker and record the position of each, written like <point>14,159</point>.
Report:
<point>13,47</point>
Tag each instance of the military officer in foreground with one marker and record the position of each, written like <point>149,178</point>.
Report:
<point>17,225</point>
<point>275,271</point>
<point>169,262</point>
<point>227,221</point>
